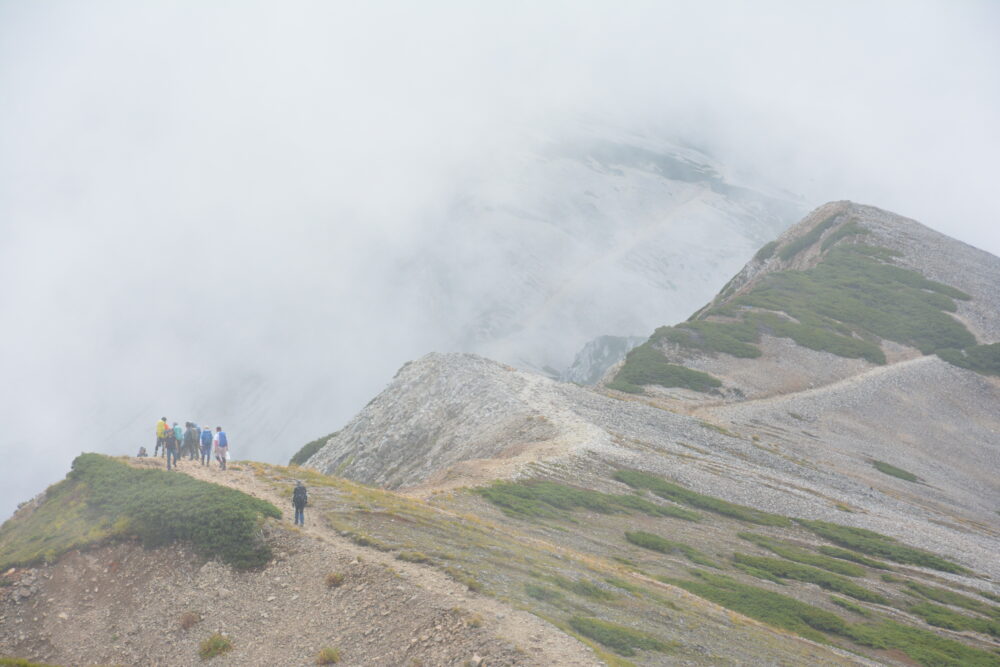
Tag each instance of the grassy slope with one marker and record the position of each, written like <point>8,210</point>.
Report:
<point>853,298</point>
<point>103,498</point>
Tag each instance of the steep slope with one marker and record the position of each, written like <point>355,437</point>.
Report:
<point>849,288</point>
<point>831,448</point>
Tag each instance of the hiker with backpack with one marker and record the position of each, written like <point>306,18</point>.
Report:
<point>161,434</point>
<point>221,447</point>
<point>170,446</point>
<point>206,445</point>
<point>300,498</point>
<point>191,436</point>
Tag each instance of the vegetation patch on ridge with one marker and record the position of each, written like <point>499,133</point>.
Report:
<point>922,646</point>
<point>795,246</point>
<point>103,498</point>
<point>804,556</point>
<point>783,569</point>
<point>893,471</point>
<point>308,449</point>
<point>645,365</point>
<point>620,639</point>
<point>676,493</point>
<point>983,359</point>
<point>883,546</point>
<point>545,499</point>
<point>665,546</point>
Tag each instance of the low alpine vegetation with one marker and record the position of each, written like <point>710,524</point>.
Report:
<point>103,498</point>
<point>645,365</point>
<point>620,639</point>
<point>328,656</point>
<point>782,569</point>
<point>214,645</point>
<point>893,471</point>
<point>799,555</point>
<point>678,494</point>
<point>665,546</point>
<point>883,546</point>
<point>550,500</point>
<point>334,580</point>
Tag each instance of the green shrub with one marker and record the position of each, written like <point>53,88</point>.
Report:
<point>545,499</point>
<point>922,646</point>
<point>645,365</point>
<point>799,555</point>
<point>772,608</point>
<point>850,228</point>
<point>618,638</point>
<point>664,546</point>
<point>943,617</point>
<point>850,606</point>
<point>161,507</point>
<point>731,338</point>
<point>670,491</point>
<point>789,570</point>
<point>543,593</point>
<point>845,554</point>
<point>766,251</point>
<point>19,662</point>
<point>883,546</point>
<point>892,470</point>
<point>582,587</point>
<point>102,498</point>
<point>309,449</point>
<point>945,596</point>
<point>328,656</point>
<point>334,580</point>
<point>215,645</point>
<point>795,246</point>
<point>983,359</point>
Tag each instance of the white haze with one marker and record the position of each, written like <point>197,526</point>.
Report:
<point>202,195</point>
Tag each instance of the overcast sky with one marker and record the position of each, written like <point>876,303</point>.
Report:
<point>195,190</point>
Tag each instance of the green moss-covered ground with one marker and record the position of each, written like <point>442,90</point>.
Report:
<point>103,498</point>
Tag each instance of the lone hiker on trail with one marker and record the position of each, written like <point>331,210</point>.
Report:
<point>206,445</point>
<point>161,433</point>
<point>221,446</point>
<point>300,498</point>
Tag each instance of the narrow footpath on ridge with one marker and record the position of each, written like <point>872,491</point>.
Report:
<point>544,644</point>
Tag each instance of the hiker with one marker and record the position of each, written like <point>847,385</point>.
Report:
<point>191,436</point>
<point>161,433</point>
<point>300,498</point>
<point>206,445</point>
<point>142,453</point>
<point>221,447</point>
<point>178,436</point>
<point>170,446</point>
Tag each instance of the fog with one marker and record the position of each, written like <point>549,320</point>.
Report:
<point>204,204</point>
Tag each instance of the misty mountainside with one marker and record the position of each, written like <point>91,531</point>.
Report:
<point>530,265</point>
<point>525,264</point>
<point>801,473</point>
<point>831,417</point>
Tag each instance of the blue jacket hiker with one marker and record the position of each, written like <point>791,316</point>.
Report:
<point>206,445</point>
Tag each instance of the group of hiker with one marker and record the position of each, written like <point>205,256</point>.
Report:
<point>190,441</point>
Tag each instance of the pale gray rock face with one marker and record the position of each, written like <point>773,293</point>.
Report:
<point>597,356</point>
<point>436,412</point>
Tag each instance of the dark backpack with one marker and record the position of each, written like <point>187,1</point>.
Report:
<point>299,496</point>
